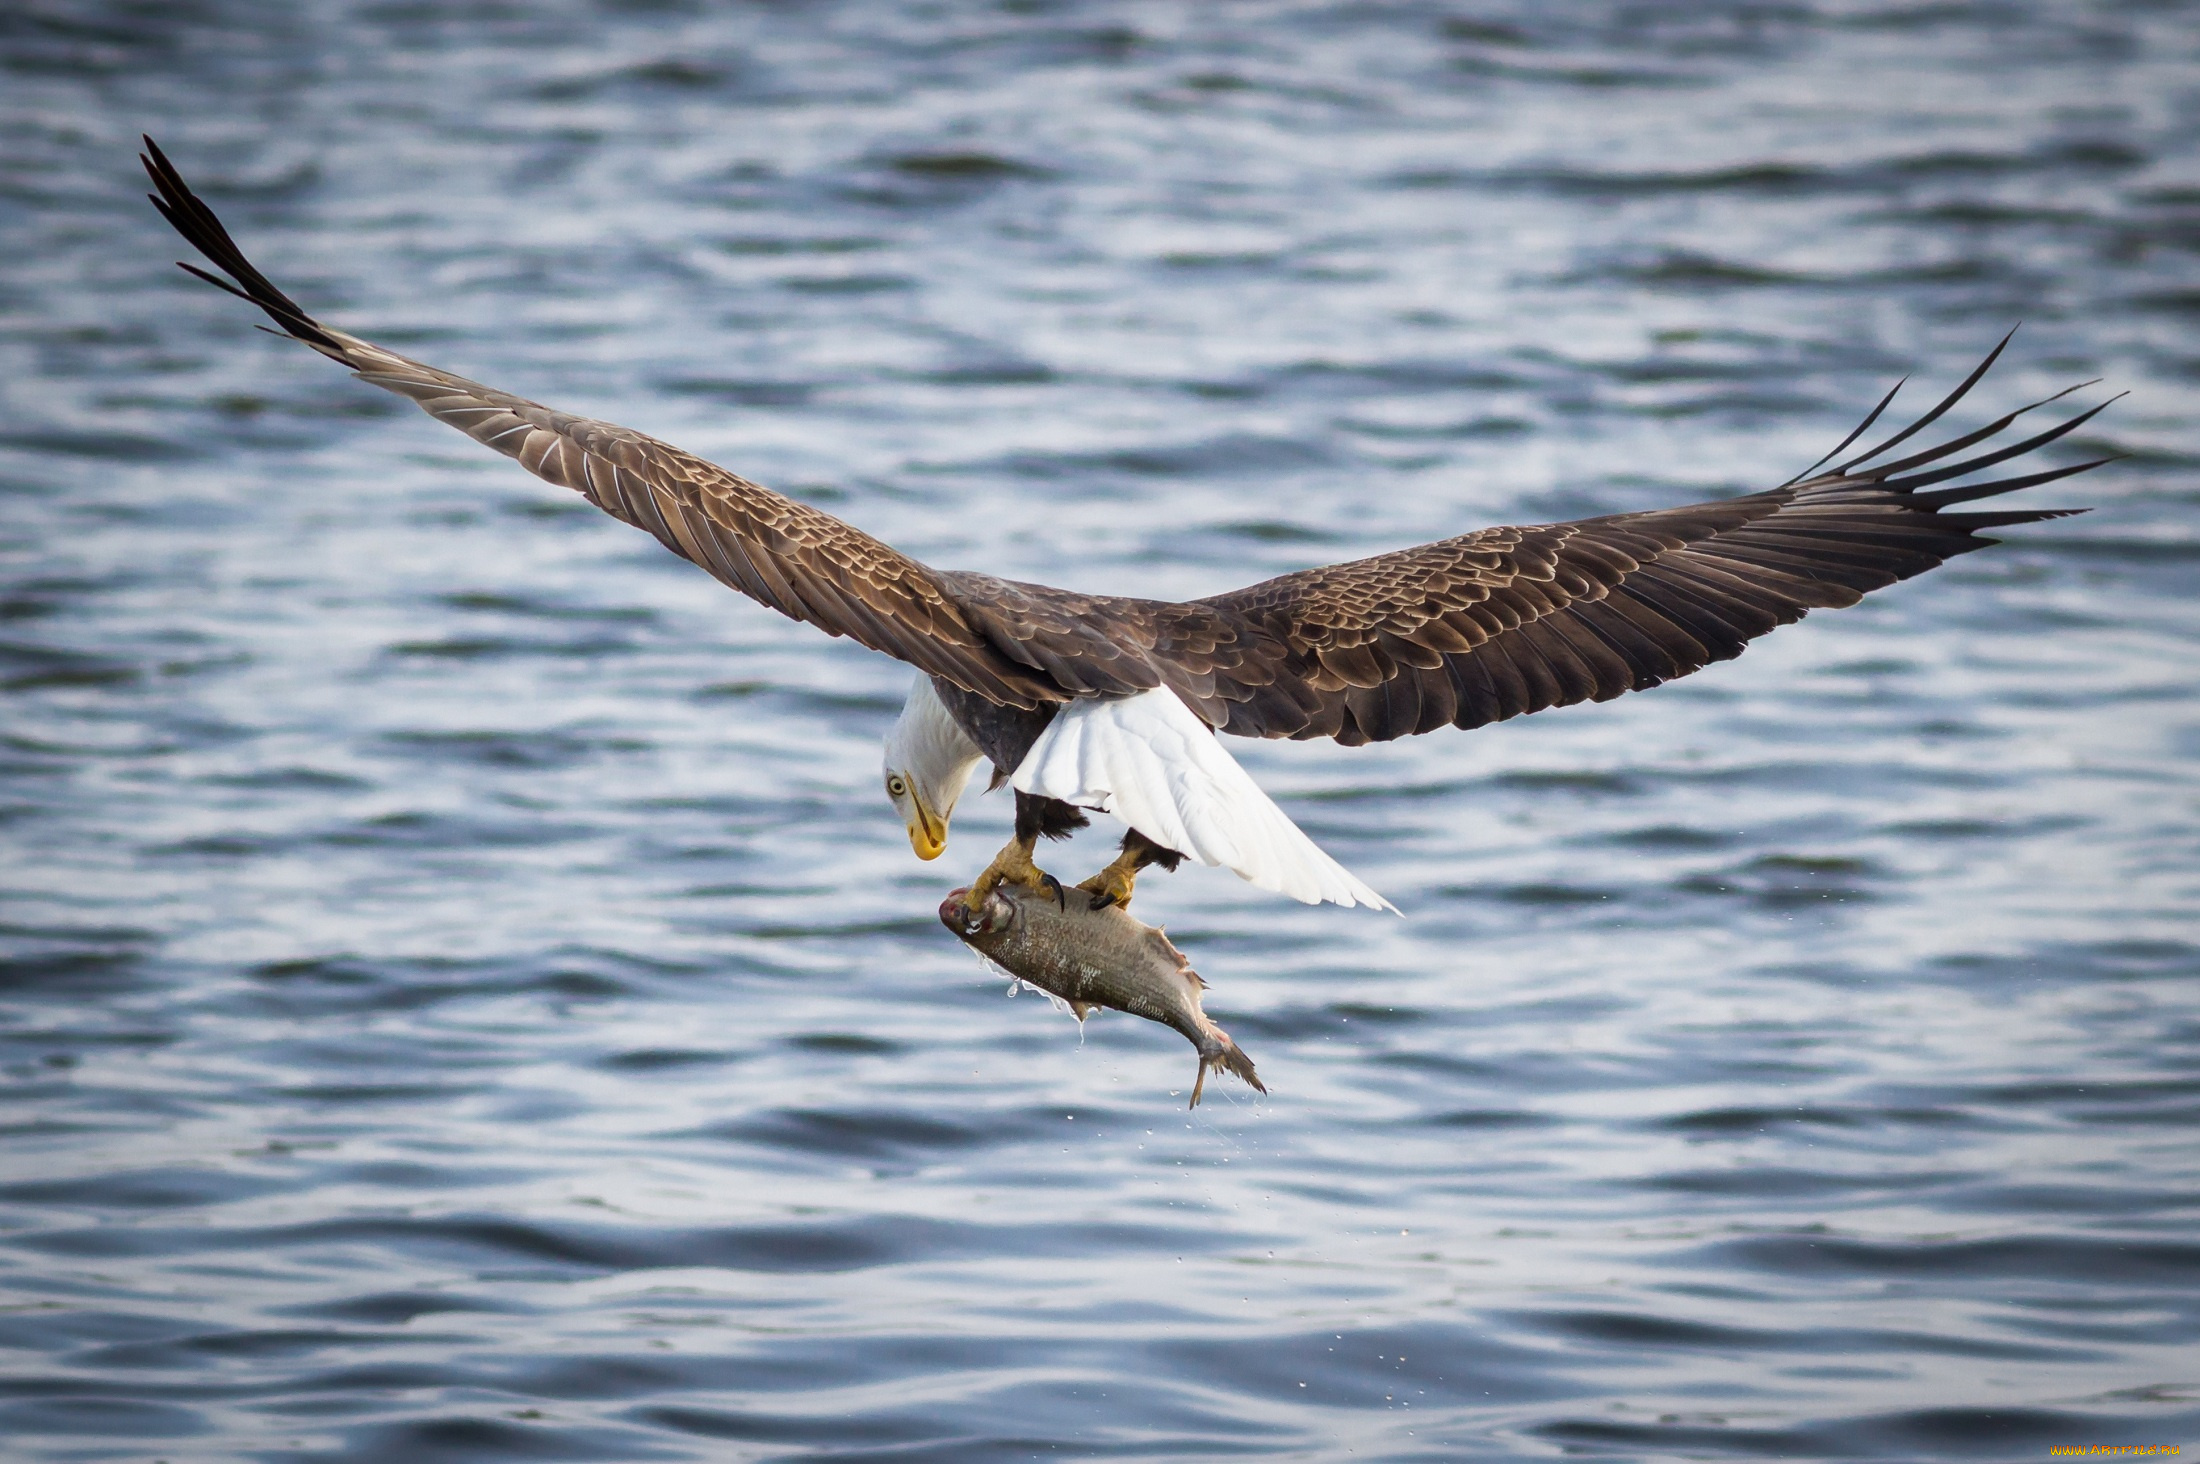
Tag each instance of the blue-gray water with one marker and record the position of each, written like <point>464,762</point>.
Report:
<point>466,998</point>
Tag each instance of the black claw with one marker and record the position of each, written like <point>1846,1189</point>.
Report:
<point>1048,881</point>
<point>1100,899</point>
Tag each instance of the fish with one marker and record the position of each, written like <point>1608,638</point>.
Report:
<point>1096,958</point>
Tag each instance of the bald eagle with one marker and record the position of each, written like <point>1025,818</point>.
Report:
<point>1108,703</point>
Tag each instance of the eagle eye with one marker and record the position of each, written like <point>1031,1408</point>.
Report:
<point>895,787</point>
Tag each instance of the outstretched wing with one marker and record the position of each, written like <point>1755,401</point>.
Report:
<point>1457,633</point>
<point>1510,620</point>
<point>800,561</point>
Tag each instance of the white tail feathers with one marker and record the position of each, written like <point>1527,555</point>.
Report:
<point>1150,761</point>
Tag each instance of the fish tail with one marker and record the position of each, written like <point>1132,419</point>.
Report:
<point>1229,1056</point>
<point>1234,1058</point>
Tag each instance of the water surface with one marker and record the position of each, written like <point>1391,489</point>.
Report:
<point>465,997</point>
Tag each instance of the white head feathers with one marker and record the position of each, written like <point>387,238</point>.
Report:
<point>930,750</point>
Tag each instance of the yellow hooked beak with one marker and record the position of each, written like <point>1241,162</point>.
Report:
<point>927,830</point>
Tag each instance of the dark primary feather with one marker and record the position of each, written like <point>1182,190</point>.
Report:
<point>1457,633</point>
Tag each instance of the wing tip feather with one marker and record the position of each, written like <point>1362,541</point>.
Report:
<point>202,229</point>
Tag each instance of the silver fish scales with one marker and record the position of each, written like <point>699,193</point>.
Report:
<point>1096,958</point>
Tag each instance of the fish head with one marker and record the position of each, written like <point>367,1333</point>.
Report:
<point>987,919</point>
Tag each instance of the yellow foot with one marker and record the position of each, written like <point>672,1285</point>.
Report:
<point>1111,886</point>
<point>1012,866</point>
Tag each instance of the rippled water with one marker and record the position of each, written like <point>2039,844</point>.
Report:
<point>464,995</point>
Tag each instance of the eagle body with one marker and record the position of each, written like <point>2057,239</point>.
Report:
<point>1112,703</point>
<point>1005,734</point>
<point>1145,758</point>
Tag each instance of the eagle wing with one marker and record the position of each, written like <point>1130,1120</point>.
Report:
<point>1504,621</point>
<point>797,559</point>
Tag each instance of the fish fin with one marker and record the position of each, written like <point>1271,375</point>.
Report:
<point>1183,962</point>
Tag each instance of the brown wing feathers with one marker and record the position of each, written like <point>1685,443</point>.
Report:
<point>1505,621</point>
<point>798,560</point>
<point>1458,633</point>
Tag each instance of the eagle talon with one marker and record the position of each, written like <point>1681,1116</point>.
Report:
<point>1111,886</point>
<point>1053,887</point>
<point>1011,866</point>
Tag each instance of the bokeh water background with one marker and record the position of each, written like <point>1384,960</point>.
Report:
<point>466,997</point>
